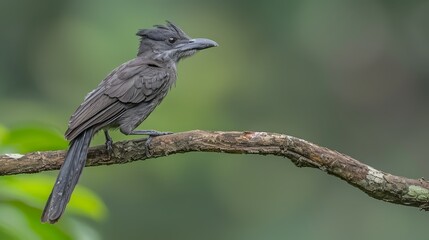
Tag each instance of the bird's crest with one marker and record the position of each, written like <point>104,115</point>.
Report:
<point>160,31</point>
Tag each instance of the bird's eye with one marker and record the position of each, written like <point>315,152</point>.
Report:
<point>172,40</point>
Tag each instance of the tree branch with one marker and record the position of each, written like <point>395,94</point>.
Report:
<point>377,184</point>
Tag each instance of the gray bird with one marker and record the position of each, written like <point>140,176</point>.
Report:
<point>123,100</point>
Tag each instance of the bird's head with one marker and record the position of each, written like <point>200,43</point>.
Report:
<point>169,42</point>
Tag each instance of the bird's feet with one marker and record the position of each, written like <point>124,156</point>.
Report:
<point>149,141</point>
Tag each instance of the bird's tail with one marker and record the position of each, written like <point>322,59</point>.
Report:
<point>68,177</point>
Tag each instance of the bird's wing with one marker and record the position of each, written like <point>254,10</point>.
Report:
<point>132,83</point>
<point>138,84</point>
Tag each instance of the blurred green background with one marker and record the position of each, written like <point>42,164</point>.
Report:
<point>346,74</point>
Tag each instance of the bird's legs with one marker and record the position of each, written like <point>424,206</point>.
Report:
<point>109,142</point>
<point>151,134</point>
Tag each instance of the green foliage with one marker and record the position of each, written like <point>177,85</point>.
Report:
<point>22,197</point>
<point>29,138</point>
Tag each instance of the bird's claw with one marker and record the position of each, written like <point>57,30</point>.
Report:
<point>148,151</point>
<point>149,141</point>
<point>109,147</point>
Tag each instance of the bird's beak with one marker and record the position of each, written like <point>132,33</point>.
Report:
<point>196,44</point>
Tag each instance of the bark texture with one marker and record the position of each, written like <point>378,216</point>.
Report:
<point>377,184</point>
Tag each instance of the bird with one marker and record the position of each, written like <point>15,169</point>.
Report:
<point>123,100</point>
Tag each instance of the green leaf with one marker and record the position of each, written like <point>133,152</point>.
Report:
<point>43,231</point>
<point>14,223</point>
<point>23,197</point>
<point>31,138</point>
<point>83,231</point>
<point>33,190</point>
<point>87,203</point>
